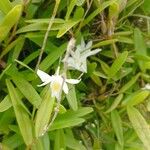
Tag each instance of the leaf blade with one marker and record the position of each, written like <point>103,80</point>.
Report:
<point>140,126</point>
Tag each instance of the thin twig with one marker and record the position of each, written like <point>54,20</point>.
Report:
<point>81,23</point>
<point>56,111</point>
<point>47,33</point>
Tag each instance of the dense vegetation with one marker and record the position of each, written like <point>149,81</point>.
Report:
<point>104,45</point>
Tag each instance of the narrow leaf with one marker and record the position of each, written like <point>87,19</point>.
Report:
<point>129,84</point>
<point>138,98</point>
<point>27,90</point>
<point>140,126</point>
<point>66,27</point>
<point>5,6</point>
<point>22,117</point>
<point>44,114</point>
<point>71,97</point>
<point>52,57</point>
<point>115,103</point>
<point>117,125</point>
<point>8,22</point>
<point>70,8</point>
<point>116,66</point>
<point>98,11</point>
<point>140,46</point>
<point>5,103</point>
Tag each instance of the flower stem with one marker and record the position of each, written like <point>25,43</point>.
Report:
<point>47,32</point>
<point>55,115</point>
<point>70,47</point>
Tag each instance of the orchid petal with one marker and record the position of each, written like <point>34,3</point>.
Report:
<point>65,88</point>
<point>44,83</point>
<point>57,71</point>
<point>89,45</point>
<point>91,53</point>
<point>55,94</point>
<point>84,66</point>
<point>82,44</point>
<point>147,87</point>
<point>72,81</point>
<point>44,76</point>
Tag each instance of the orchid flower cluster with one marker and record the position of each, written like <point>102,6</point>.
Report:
<point>76,59</point>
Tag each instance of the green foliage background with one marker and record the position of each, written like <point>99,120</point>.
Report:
<point>109,109</point>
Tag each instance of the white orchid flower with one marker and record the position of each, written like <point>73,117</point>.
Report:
<point>78,58</point>
<point>147,87</point>
<point>57,82</point>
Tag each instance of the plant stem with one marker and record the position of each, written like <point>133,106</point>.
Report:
<point>81,23</point>
<point>47,33</point>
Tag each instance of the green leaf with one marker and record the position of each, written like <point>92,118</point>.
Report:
<point>52,57</point>
<point>66,122</point>
<point>42,143</point>
<point>140,126</point>
<point>4,71</point>
<point>80,112</point>
<point>146,6</point>
<point>5,6</point>
<point>70,8</point>
<point>71,97</point>
<point>27,90</point>
<point>22,117</point>
<point>8,22</point>
<point>13,141</point>
<point>79,2</point>
<point>6,118</point>
<point>10,46</point>
<point>43,20</point>
<point>129,84</point>
<point>24,65</point>
<point>105,42</point>
<point>105,67</point>
<point>38,26</point>
<point>18,48</point>
<point>98,11</point>
<point>31,57</point>
<point>79,12</point>
<point>124,39</point>
<point>140,46</point>
<point>113,10</point>
<point>5,103</point>
<point>4,146</point>
<point>115,103</point>
<point>70,118</point>
<point>116,66</point>
<point>66,27</point>
<point>44,114</point>
<point>117,125</point>
<point>118,147</point>
<point>138,98</point>
<point>37,145</point>
<point>59,140</point>
<point>72,143</point>
<point>46,142</point>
